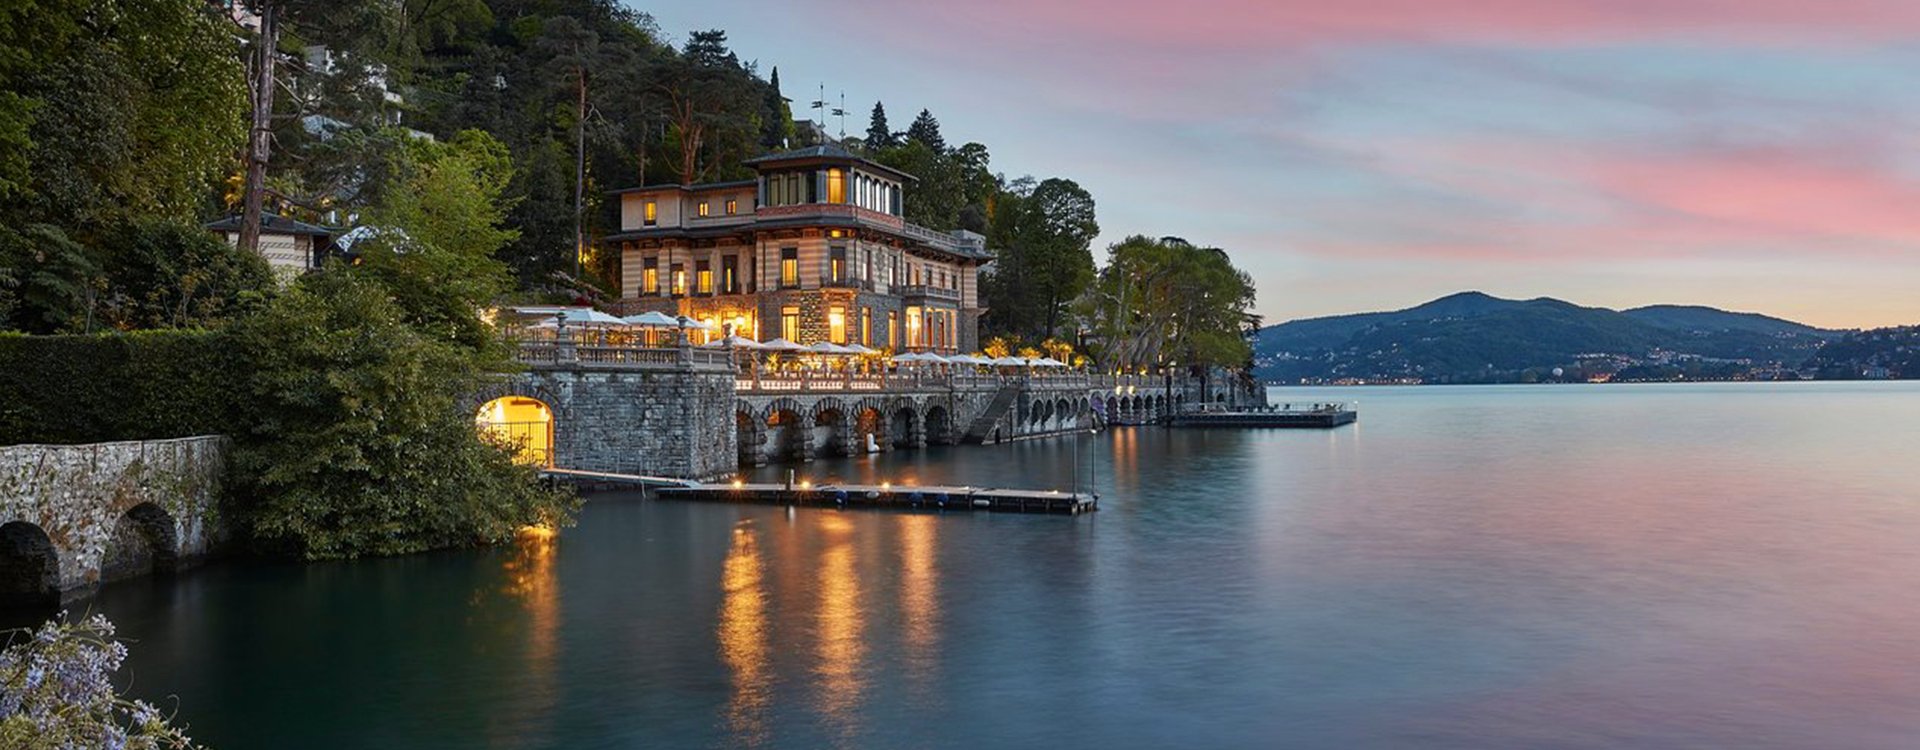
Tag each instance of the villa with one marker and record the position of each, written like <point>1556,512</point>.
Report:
<point>813,248</point>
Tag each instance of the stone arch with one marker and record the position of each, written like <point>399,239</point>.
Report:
<point>939,425</point>
<point>830,431</point>
<point>787,429</point>
<point>1113,407</point>
<point>29,566</point>
<point>751,432</point>
<point>868,417</point>
<point>903,425</point>
<point>525,422</point>
<point>144,540</point>
<point>1062,411</point>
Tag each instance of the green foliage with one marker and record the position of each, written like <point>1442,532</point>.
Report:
<point>357,441</point>
<point>1167,301</point>
<point>437,234</point>
<point>166,274</point>
<point>120,386</point>
<point>134,114</point>
<point>879,136</point>
<point>925,131</point>
<point>46,280</point>
<point>1045,258</point>
<point>1895,350</point>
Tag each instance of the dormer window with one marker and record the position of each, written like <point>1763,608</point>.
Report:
<point>733,206</point>
<point>836,186</point>
<point>652,213</point>
<point>705,209</point>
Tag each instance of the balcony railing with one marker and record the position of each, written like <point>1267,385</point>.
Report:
<point>928,292</point>
<point>562,353</point>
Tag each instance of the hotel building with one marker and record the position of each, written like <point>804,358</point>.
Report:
<point>813,248</point>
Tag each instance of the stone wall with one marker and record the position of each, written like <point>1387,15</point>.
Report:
<point>670,422</point>
<point>105,510</point>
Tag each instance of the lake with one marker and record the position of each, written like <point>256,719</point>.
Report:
<point>1644,566</point>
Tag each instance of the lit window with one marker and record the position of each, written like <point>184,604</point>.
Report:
<point>650,277</point>
<point>704,208</point>
<point>790,267</point>
<point>837,264</point>
<point>837,324</point>
<point>653,213</point>
<point>679,279</point>
<point>836,186</point>
<point>703,278</point>
<point>733,206</point>
<point>790,323</point>
<point>866,326</point>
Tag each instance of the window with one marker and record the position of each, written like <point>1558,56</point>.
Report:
<point>730,274</point>
<point>705,209</point>
<point>837,264</point>
<point>836,186</point>
<point>653,213</point>
<point>650,276</point>
<point>790,323</point>
<point>893,329</point>
<point>733,206</point>
<point>837,324</point>
<point>866,326</point>
<point>914,337</point>
<point>703,277</point>
<point>789,267</point>
<point>679,279</point>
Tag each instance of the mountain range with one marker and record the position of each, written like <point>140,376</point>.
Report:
<point>1472,337</point>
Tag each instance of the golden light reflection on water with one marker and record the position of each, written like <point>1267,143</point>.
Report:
<point>839,628</point>
<point>530,579</point>
<point>920,597</point>
<point>743,637</point>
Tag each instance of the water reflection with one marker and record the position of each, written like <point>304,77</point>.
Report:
<point>920,599</point>
<point>743,637</point>
<point>839,630</point>
<point>529,579</point>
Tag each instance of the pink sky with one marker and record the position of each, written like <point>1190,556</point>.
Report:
<point>1751,154</point>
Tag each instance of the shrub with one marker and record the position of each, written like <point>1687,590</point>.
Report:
<point>128,386</point>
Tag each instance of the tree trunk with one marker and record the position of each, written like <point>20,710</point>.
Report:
<point>580,175</point>
<point>260,138</point>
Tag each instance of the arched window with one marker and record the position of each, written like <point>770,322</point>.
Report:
<point>524,422</point>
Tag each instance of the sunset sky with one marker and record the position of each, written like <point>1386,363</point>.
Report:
<point>1357,155</point>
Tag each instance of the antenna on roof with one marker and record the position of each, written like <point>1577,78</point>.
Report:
<point>841,112</point>
<point>819,107</point>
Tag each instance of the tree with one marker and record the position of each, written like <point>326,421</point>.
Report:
<point>926,131</point>
<point>1167,301</point>
<point>167,274</point>
<point>1045,261</point>
<point>434,238</point>
<point>357,441</point>
<point>47,281</point>
<point>879,136</point>
<point>777,113</point>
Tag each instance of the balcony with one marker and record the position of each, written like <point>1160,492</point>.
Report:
<point>928,293</point>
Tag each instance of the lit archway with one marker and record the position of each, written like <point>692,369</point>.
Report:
<point>522,422</point>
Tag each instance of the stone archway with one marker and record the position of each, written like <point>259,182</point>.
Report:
<point>939,425</point>
<point>869,422</point>
<point>751,434</point>
<point>787,436</point>
<point>830,432</point>
<point>29,566</point>
<point>902,424</point>
<point>524,422</point>
<point>143,541</point>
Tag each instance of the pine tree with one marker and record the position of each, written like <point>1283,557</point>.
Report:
<point>879,136</point>
<point>777,119</point>
<point>926,130</point>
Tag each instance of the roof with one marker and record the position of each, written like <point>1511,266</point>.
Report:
<point>958,248</point>
<point>825,152</point>
<point>688,188</point>
<point>271,223</point>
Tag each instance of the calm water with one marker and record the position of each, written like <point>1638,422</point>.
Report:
<point>1724,566</point>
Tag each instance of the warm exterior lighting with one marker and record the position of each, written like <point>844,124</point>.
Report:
<point>806,484</point>
<point>737,484</point>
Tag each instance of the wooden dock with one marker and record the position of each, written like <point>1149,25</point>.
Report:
<point>945,498</point>
<point>1318,417</point>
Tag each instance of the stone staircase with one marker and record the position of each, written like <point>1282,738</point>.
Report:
<point>996,410</point>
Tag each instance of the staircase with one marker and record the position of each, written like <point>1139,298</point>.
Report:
<point>996,410</point>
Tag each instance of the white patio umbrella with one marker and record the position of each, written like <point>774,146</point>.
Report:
<point>653,319</point>
<point>579,316</point>
<point>737,342</point>
<point>858,349</point>
<point>781,345</point>
<point>1009,361</point>
<point>935,359</point>
<point>828,347</point>
<point>908,357</point>
<point>968,359</point>
<point>690,323</point>
<point>1048,362</point>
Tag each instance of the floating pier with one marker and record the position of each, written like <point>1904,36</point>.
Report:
<point>951,498</point>
<point>1315,416</point>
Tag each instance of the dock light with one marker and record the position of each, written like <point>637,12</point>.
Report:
<point>806,484</point>
<point>886,485</point>
<point>737,484</point>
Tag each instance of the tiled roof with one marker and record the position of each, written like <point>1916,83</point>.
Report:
<point>271,224</point>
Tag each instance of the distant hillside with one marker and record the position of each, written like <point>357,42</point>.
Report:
<point>1475,337</point>
<point>1880,353</point>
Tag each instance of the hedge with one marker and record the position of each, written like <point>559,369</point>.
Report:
<point>116,386</point>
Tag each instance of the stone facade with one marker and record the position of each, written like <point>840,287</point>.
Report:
<point>668,421</point>
<point>78,515</point>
